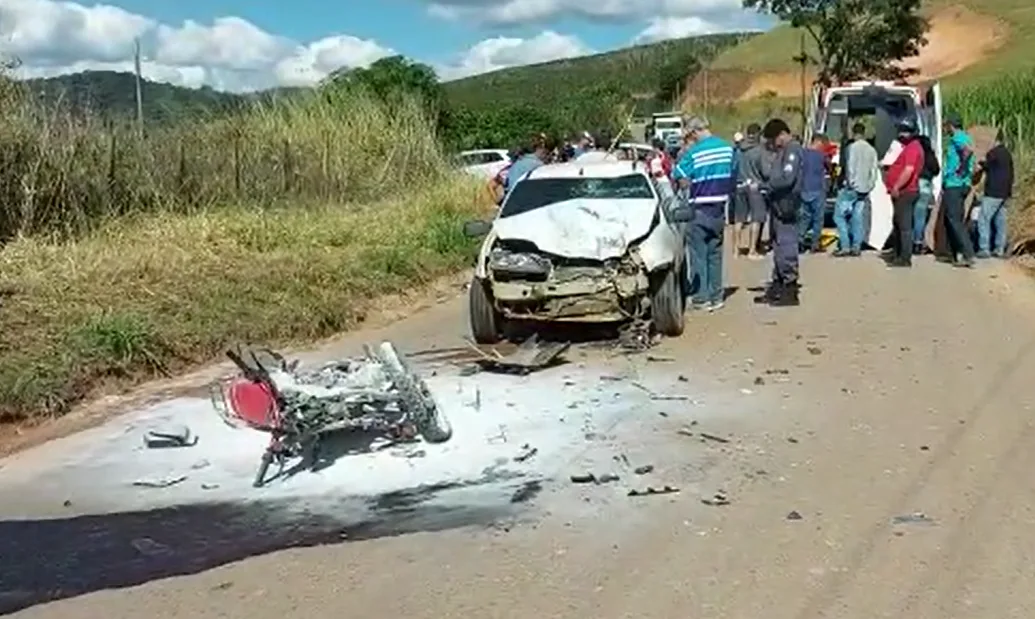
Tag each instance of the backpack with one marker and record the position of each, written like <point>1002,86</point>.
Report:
<point>931,168</point>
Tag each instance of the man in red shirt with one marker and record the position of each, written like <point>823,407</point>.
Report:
<point>903,182</point>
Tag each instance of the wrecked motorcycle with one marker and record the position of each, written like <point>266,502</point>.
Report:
<point>377,393</point>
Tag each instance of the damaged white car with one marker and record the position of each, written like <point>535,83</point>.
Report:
<point>574,242</point>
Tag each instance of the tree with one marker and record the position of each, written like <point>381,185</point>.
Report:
<point>855,39</point>
<point>390,77</point>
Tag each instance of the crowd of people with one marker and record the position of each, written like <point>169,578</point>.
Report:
<point>772,190</point>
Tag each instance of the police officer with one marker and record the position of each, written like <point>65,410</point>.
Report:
<point>782,186</point>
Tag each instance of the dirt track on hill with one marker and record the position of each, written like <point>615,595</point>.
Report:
<point>874,447</point>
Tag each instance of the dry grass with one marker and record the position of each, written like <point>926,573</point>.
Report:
<point>116,282</point>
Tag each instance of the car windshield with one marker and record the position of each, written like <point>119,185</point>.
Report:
<point>667,124</point>
<point>531,194</point>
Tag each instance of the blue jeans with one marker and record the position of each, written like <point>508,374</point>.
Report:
<point>992,215</point>
<point>921,210</point>
<point>849,213</point>
<point>705,242</point>
<point>810,223</point>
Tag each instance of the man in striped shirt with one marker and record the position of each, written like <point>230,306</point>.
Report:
<point>705,172</point>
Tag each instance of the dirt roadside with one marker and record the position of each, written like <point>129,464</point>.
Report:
<point>905,393</point>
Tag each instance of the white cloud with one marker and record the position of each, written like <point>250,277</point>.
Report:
<point>513,12</point>
<point>51,38</point>
<point>502,52</point>
<point>664,28</point>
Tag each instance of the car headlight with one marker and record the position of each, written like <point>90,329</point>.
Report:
<point>519,263</point>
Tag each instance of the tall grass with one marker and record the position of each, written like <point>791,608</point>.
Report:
<point>63,174</point>
<point>1007,102</point>
<point>128,259</point>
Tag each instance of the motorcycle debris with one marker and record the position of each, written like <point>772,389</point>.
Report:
<point>527,452</point>
<point>643,470</point>
<point>914,518</point>
<point>172,436</point>
<point>160,483</point>
<point>794,515</point>
<point>651,491</point>
<point>719,499</point>
<point>583,478</point>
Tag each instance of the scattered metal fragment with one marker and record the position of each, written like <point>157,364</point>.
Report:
<point>650,491</point>
<point>794,516</point>
<point>713,437</point>
<point>660,396</point>
<point>718,499</point>
<point>791,439</point>
<point>172,436</point>
<point>657,359</point>
<point>583,478</point>
<point>777,371</point>
<point>160,483</point>
<point>209,486</point>
<point>67,503</point>
<point>470,369</point>
<point>914,518</point>
<point>200,464</point>
<point>607,478</point>
<point>685,432</point>
<point>530,356</point>
<point>747,391</point>
<point>611,378</point>
<point>527,451</point>
<point>683,379</point>
<point>814,350</point>
<point>643,470</point>
<point>925,448</point>
<point>635,336</point>
<point>759,380</point>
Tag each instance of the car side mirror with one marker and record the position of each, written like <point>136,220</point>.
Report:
<point>477,228</point>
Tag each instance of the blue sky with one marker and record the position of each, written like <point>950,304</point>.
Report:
<point>245,45</point>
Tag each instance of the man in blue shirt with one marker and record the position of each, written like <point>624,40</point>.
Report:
<point>957,174</point>
<point>530,160</point>
<point>705,173</point>
<point>813,193</point>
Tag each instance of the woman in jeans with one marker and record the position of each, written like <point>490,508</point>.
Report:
<point>925,200</point>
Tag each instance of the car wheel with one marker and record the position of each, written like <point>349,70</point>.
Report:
<point>486,321</point>
<point>667,302</point>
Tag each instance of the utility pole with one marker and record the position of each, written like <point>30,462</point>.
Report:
<point>140,96</point>
<point>803,59</point>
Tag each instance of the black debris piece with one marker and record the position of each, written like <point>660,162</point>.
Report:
<point>794,516</point>
<point>649,491</point>
<point>713,437</point>
<point>718,499</point>
<point>643,470</point>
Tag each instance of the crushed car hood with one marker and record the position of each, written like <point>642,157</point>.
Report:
<point>590,229</point>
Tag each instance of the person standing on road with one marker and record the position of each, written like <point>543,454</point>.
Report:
<point>705,171</point>
<point>925,200</point>
<point>997,168</point>
<point>860,174</point>
<point>956,181</point>
<point>813,194</point>
<point>903,182</point>
<point>749,210</point>
<point>783,189</point>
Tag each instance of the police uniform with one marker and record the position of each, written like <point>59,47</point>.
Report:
<point>783,189</point>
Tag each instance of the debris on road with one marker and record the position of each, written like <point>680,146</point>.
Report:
<point>527,452</point>
<point>651,491</point>
<point>526,492</point>
<point>160,483</point>
<point>794,516</point>
<point>718,499</point>
<point>759,380</point>
<point>660,396</point>
<point>643,470</point>
<point>532,355</point>
<point>590,478</point>
<point>814,350</point>
<point>914,518</point>
<point>171,436</point>
<point>635,336</point>
<point>656,359</point>
<point>713,437</point>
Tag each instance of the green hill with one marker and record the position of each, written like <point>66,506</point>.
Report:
<point>652,73</point>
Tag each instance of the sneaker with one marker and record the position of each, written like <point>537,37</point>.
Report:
<point>716,306</point>
<point>855,253</point>
<point>841,253</point>
<point>697,307</point>
<point>984,255</point>
<point>899,264</point>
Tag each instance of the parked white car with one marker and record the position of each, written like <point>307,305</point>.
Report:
<point>579,242</point>
<point>485,163</point>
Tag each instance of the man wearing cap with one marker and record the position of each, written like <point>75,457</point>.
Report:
<point>956,178</point>
<point>782,187</point>
<point>903,182</point>
<point>705,171</point>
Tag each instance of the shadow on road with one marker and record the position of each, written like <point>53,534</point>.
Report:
<point>49,560</point>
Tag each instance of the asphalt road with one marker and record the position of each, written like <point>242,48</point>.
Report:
<point>871,451</point>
